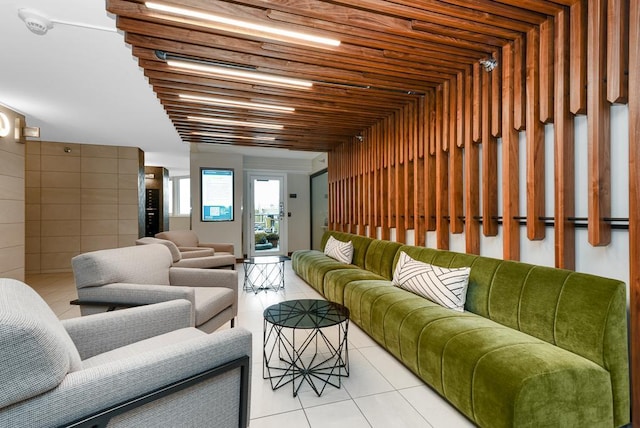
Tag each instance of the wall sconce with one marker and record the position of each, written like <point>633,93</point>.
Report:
<point>5,125</point>
<point>67,149</point>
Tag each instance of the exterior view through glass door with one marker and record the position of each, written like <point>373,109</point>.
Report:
<point>268,219</point>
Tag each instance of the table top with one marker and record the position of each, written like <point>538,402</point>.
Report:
<point>306,313</point>
<point>262,260</point>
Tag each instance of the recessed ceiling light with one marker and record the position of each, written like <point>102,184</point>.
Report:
<point>241,75</point>
<point>235,137</point>
<point>246,27</point>
<point>233,103</point>
<point>216,121</point>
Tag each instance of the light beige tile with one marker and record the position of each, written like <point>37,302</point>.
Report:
<point>32,162</point>
<point>128,152</point>
<point>11,258</point>
<point>58,149</point>
<point>12,211</point>
<point>100,165</point>
<point>12,165</point>
<point>127,240</point>
<point>32,263</point>
<point>99,181</point>
<point>127,227</point>
<point>60,163</point>
<point>32,178</point>
<point>128,166</point>
<point>99,212</point>
<point>128,212</point>
<point>32,147</point>
<point>12,188</point>
<point>32,211</point>
<point>32,195</point>
<point>60,212</point>
<point>127,181</point>
<point>128,196</point>
<point>32,229</point>
<point>96,151</point>
<point>61,196</point>
<point>93,243</point>
<point>60,179</point>
<point>99,227</point>
<point>60,228</point>
<point>12,234</point>
<point>32,245</point>
<point>99,196</point>
<point>57,262</point>
<point>57,244</point>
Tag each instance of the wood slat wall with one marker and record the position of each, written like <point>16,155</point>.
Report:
<point>424,161</point>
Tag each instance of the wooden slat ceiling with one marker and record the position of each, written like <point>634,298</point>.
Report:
<point>391,53</point>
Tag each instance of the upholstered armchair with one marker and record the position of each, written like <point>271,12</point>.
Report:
<point>144,366</point>
<point>187,240</point>
<point>143,274</point>
<point>205,258</point>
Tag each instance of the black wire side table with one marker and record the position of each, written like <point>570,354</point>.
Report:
<point>264,273</point>
<point>305,341</point>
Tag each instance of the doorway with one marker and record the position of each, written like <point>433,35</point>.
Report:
<point>267,220</point>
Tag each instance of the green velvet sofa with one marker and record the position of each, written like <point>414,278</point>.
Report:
<point>535,346</point>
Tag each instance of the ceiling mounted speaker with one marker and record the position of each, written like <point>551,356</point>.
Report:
<point>35,21</point>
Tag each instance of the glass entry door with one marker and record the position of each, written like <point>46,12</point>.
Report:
<point>267,216</point>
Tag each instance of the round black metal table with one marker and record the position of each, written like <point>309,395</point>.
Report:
<point>305,341</point>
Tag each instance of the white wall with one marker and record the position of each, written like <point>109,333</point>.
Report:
<point>218,231</point>
<point>300,209</point>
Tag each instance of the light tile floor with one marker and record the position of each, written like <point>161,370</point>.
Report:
<point>379,392</point>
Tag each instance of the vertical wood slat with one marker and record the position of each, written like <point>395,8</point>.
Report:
<point>496,97</point>
<point>460,114</point>
<point>409,124</point>
<point>546,70</point>
<point>510,162</point>
<point>599,170</point>
<point>444,117</point>
<point>634,203</point>
<point>455,172</point>
<point>418,175</point>
<point>489,163</point>
<point>471,174</point>
<point>477,101</point>
<point>565,253</point>
<point>374,221</point>
<point>442,225</point>
<point>617,53</point>
<point>519,84</point>
<point>430,169</point>
<point>400,189</point>
<point>535,142</point>
<point>578,61</point>
<point>385,231</point>
<point>390,175</point>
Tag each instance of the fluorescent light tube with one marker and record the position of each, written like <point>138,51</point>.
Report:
<point>233,103</point>
<point>235,137</point>
<point>216,121</point>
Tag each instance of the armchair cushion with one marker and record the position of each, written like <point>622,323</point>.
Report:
<point>211,301</point>
<point>146,264</point>
<point>33,345</point>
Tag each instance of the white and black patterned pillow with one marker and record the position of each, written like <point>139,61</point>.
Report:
<point>444,286</point>
<point>341,251</point>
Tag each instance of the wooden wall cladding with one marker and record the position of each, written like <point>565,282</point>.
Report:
<point>433,164</point>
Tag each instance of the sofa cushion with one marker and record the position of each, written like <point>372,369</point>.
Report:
<point>142,264</point>
<point>336,280</point>
<point>36,352</point>
<point>338,250</point>
<point>444,286</point>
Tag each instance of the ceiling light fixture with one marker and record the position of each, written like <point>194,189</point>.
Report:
<point>241,75</point>
<point>246,27</point>
<point>232,136</point>
<point>233,103</point>
<point>216,121</point>
<point>489,64</point>
<point>39,24</point>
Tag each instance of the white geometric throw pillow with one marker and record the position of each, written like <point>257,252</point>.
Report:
<point>444,286</point>
<point>341,251</point>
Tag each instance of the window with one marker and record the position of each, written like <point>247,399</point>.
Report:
<point>180,196</point>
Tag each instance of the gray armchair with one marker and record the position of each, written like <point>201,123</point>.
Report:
<point>140,275</point>
<point>144,366</point>
<point>205,258</point>
<point>187,240</point>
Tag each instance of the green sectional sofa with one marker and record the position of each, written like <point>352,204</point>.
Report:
<point>535,346</point>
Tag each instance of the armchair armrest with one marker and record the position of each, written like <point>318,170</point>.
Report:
<point>95,334</point>
<point>203,277</point>
<point>222,247</point>
<point>135,294</point>
<point>191,252</point>
<point>86,392</point>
